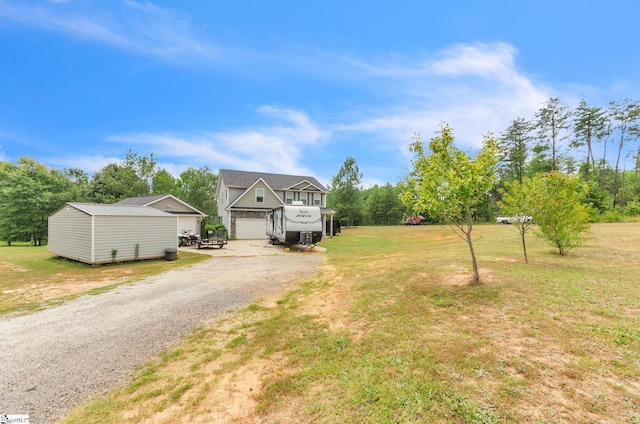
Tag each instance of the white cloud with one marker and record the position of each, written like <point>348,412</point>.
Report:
<point>475,88</point>
<point>275,148</point>
<point>141,28</point>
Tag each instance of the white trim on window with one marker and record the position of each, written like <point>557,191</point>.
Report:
<point>259,195</point>
<point>304,198</point>
<point>288,197</point>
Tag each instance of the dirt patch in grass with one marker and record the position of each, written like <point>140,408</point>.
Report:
<point>8,267</point>
<point>44,292</point>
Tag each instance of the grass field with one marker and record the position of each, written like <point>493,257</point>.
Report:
<point>32,278</point>
<point>391,332</point>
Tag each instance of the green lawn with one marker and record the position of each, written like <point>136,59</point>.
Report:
<point>32,278</point>
<point>391,332</point>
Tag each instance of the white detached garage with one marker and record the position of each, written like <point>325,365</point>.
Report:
<point>98,233</point>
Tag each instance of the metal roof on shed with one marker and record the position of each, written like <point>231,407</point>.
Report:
<point>98,209</point>
<point>141,200</point>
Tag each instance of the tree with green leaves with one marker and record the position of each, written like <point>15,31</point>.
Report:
<point>115,182</point>
<point>383,205</point>
<point>551,123</point>
<point>142,166</point>
<point>448,184</point>
<point>624,115</point>
<point>345,192</point>
<point>589,125</point>
<point>517,202</point>
<point>197,186</point>
<point>163,182</point>
<point>558,207</point>
<point>514,150</point>
<point>29,193</point>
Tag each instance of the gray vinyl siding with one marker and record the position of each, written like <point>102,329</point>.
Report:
<point>70,234</point>
<point>234,193</point>
<point>171,205</point>
<point>152,234</point>
<point>249,199</point>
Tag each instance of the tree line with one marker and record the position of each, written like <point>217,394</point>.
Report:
<point>30,191</point>
<point>591,142</point>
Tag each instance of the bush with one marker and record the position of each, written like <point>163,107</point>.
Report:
<point>632,209</point>
<point>612,216</point>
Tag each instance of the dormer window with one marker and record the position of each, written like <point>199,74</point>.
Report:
<point>259,195</point>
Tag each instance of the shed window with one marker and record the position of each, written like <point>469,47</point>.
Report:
<point>259,195</point>
<point>288,197</point>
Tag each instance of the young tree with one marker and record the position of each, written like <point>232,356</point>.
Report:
<point>557,205</point>
<point>345,192</point>
<point>448,184</point>
<point>517,202</point>
<point>552,121</point>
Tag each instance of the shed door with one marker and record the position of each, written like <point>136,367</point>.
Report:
<point>249,228</point>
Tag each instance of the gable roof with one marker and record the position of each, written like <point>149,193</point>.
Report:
<point>246,193</point>
<point>141,200</point>
<point>245,179</point>
<point>149,200</point>
<point>99,209</point>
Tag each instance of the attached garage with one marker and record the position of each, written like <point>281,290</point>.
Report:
<point>97,233</point>
<point>251,228</point>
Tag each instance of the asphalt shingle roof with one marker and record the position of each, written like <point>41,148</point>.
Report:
<point>244,179</point>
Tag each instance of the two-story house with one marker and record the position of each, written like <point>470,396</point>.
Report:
<point>244,198</point>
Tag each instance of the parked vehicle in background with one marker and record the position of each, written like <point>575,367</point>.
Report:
<point>519,218</point>
<point>413,219</point>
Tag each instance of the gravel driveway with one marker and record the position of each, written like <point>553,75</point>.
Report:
<point>56,358</point>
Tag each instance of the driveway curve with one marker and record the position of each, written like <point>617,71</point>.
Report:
<point>58,357</point>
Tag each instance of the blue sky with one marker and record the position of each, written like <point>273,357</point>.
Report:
<point>294,86</point>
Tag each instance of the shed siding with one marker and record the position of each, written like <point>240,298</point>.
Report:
<point>70,234</point>
<point>152,234</point>
<point>249,199</point>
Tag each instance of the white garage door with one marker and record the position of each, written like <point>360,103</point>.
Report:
<point>251,229</point>
<point>188,223</point>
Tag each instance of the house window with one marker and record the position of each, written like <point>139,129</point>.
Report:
<point>288,197</point>
<point>317,199</point>
<point>303,198</point>
<point>259,195</point>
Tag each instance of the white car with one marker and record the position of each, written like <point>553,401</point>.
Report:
<point>520,217</point>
